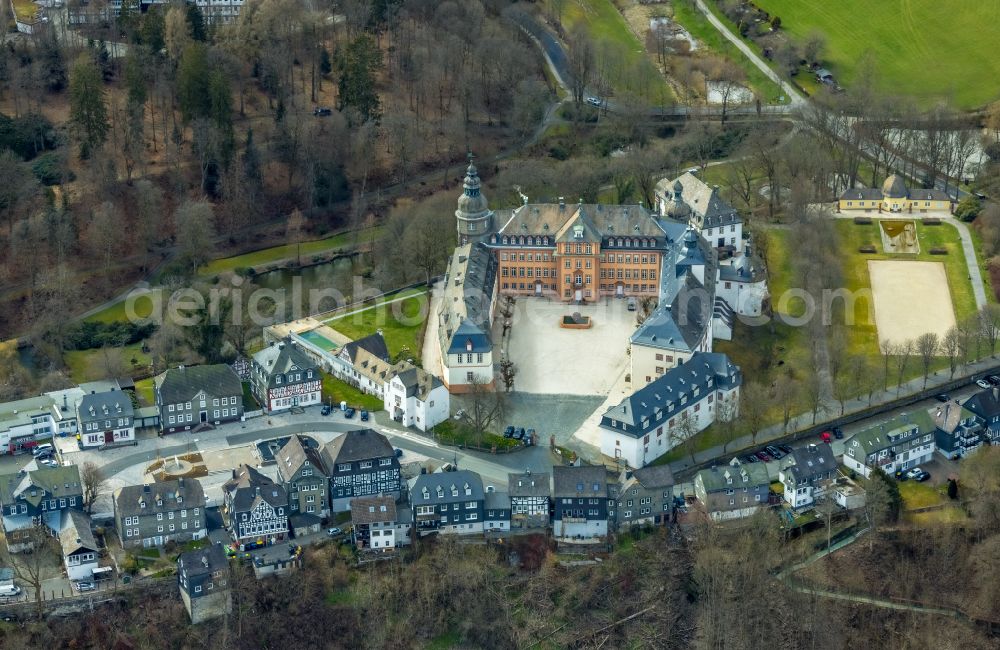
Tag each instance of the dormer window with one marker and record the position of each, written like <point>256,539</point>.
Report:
<point>277,379</point>
<point>454,491</point>
<point>440,492</point>
<point>468,490</point>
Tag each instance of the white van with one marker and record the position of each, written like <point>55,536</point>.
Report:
<point>9,591</point>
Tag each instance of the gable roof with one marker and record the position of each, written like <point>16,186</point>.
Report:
<point>418,382</point>
<point>811,462</point>
<point>582,481</point>
<point>203,561</point>
<point>373,367</point>
<point>891,432</point>
<point>948,416</point>
<point>446,481</point>
<point>182,384</point>
<point>373,344</point>
<point>861,194</point>
<point>371,509</point>
<point>279,358</point>
<point>248,486</point>
<point>466,300</point>
<point>985,404</point>
<point>497,501</point>
<point>75,533</point>
<point>56,482</point>
<point>352,446</point>
<point>528,485</point>
<point>97,406</point>
<point>654,476</point>
<point>129,499</point>
<point>707,207</point>
<point>293,455</point>
<point>656,402</point>
<point>715,479</point>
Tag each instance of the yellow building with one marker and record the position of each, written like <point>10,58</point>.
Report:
<point>894,197</point>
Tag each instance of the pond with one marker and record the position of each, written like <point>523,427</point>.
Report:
<point>318,288</point>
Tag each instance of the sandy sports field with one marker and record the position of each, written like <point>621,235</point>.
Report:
<point>911,298</point>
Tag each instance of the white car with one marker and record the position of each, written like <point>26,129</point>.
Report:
<point>595,101</point>
<point>982,383</point>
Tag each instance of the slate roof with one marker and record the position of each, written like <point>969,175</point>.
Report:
<point>128,498</point>
<point>244,489</point>
<point>658,401</point>
<point>372,509</point>
<point>894,187</point>
<point>679,324</point>
<point>931,194</point>
<point>497,501</point>
<point>810,463</point>
<point>281,358</point>
<point>714,478</point>
<point>528,485</point>
<point>654,476</point>
<point>418,382</point>
<point>100,406</point>
<point>582,481</point>
<point>292,456</point>
<point>371,366</point>
<point>709,210</point>
<point>446,480</point>
<point>374,344</point>
<point>58,482</point>
<point>204,561</point>
<point>861,194</point>
<point>182,384</point>
<point>985,404</point>
<point>464,313</point>
<point>75,533</point>
<point>892,432</point>
<point>469,338</point>
<point>948,416</point>
<point>352,446</point>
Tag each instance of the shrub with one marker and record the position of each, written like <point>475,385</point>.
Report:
<point>559,152</point>
<point>868,248</point>
<point>933,221</point>
<point>50,169</point>
<point>863,221</point>
<point>939,250</point>
<point>28,135</point>
<point>968,209</point>
<point>88,334</point>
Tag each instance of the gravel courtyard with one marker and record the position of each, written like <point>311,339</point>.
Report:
<point>555,360</point>
<point>911,298</point>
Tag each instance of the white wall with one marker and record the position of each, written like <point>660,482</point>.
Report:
<point>645,363</point>
<point>96,438</point>
<point>733,234</point>
<point>585,529</point>
<point>457,368</point>
<point>746,298</point>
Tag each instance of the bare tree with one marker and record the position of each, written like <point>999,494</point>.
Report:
<point>727,420</point>
<point>785,391</point>
<point>903,353</point>
<point>581,62</point>
<point>989,322</point>
<point>94,483</point>
<point>486,409</point>
<point>31,566</point>
<point>927,347</point>
<point>951,348</point>
<point>508,371</point>
<point>812,394</point>
<point>753,407</point>
<point>295,231</point>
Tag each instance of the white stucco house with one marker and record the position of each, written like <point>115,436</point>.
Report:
<point>415,398</point>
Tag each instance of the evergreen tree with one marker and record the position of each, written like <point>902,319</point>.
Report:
<point>359,63</point>
<point>197,22</point>
<point>193,81</point>
<point>251,162</point>
<point>152,34</point>
<point>52,63</point>
<point>325,63</point>
<point>221,113</point>
<point>88,115</point>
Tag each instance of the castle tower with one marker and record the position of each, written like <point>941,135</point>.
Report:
<point>474,217</point>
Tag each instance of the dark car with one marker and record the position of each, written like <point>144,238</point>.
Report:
<point>364,416</point>
<point>764,456</point>
<point>749,458</point>
<point>519,433</point>
<point>398,452</point>
<point>774,452</point>
<point>838,433</point>
<point>785,448</point>
<point>349,413</point>
<point>942,397</point>
<point>322,111</point>
<point>508,432</point>
<point>326,410</point>
<point>993,379</point>
<point>529,437</point>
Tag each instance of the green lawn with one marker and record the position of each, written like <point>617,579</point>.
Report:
<point>920,495</point>
<point>708,36</point>
<point>628,66</point>
<point>336,391</point>
<point>89,365</point>
<point>450,432</point>
<point>927,49</point>
<point>115,313</point>
<point>287,251</point>
<point>402,323</point>
<point>144,391</point>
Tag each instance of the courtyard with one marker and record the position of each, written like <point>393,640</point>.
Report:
<point>554,360</point>
<point>911,299</point>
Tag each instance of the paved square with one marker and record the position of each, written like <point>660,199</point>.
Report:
<point>911,299</point>
<point>555,360</point>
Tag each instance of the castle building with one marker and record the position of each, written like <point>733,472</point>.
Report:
<point>894,196</point>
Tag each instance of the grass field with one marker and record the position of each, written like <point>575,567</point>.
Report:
<point>115,313</point>
<point>402,322</point>
<point>630,69</point>
<point>287,251</point>
<point>927,49</point>
<point>698,26</point>
<point>336,391</point>
<point>144,390</point>
<point>89,365</point>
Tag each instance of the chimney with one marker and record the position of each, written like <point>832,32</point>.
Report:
<point>257,490</point>
<point>145,488</point>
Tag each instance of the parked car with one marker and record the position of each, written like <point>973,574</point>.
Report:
<point>519,433</point>
<point>364,416</point>
<point>322,111</point>
<point>774,452</point>
<point>459,414</point>
<point>333,532</point>
<point>917,474</point>
<point>327,410</point>
<point>41,449</point>
<point>349,413</point>
<point>49,462</point>
<point>631,304</point>
<point>763,456</point>
<point>398,452</point>
<point>942,397</point>
<point>838,433</point>
<point>993,379</point>
<point>750,458</point>
<point>826,437</point>
<point>785,448</point>
<point>529,437</point>
<point>595,101</point>
<point>508,432</point>
<point>982,383</point>
<point>84,585</point>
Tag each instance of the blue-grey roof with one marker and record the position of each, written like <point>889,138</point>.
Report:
<point>806,464</point>
<point>582,481</point>
<point>469,338</point>
<point>497,501</point>
<point>985,404</point>
<point>658,401</point>
<point>99,406</point>
<point>679,323</point>
<point>467,294</point>
<point>448,481</point>
<point>280,358</point>
<point>861,194</point>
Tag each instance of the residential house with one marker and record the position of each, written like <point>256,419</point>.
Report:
<point>360,463</point>
<point>496,511</point>
<point>300,470</point>
<point>190,397</point>
<point>733,491</point>
<point>376,523</point>
<point>448,502</point>
<point>529,500</point>
<point>203,580</point>
<point>370,373</point>
<point>79,547</point>
<point>957,432</point>
<point>255,508</point>
<point>283,377</point>
<point>153,514</point>
<point>352,353</point>
<point>581,502</point>
<point>807,473</point>
<point>645,496</point>
<point>899,444</point>
<point>40,496</point>
<point>105,418</point>
<point>681,402</point>
<point>415,397</point>
<point>28,422</point>
<point>985,405</point>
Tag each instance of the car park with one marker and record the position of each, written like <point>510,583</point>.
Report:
<point>942,397</point>
<point>774,452</point>
<point>349,413</point>
<point>982,383</point>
